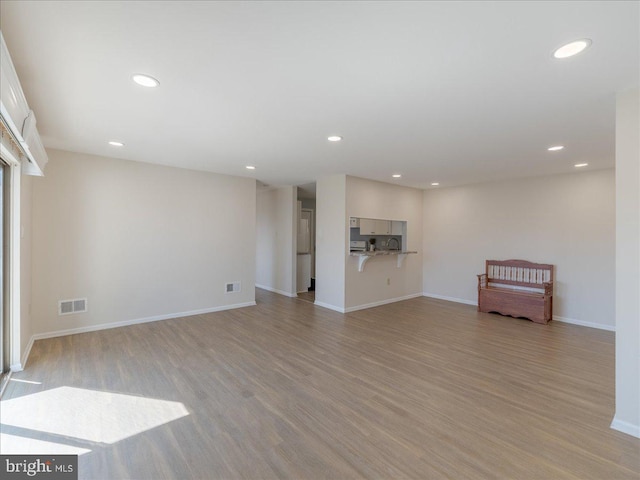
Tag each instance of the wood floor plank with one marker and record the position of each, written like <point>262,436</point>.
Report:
<point>417,389</point>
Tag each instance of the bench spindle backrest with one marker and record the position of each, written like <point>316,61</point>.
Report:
<point>519,273</point>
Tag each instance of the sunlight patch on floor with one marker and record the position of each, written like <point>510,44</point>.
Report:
<point>16,445</point>
<point>91,415</point>
<point>19,380</point>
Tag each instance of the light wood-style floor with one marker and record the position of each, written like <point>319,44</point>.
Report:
<point>422,389</point>
<point>309,296</point>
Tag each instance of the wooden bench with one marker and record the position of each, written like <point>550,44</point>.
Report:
<point>517,288</point>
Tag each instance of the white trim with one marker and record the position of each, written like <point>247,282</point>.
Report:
<point>626,427</point>
<point>25,354</point>
<point>8,156</point>
<point>13,278</point>
<point>381,302</point>
<point>20,110</point>
<point>275,290</point>
<point>556,318</point>
<point>125,323</point>
<point>16,367</point>
<point>450,299</point>
<point>329,306</point>
<point>367,305</point>
<point>22,144</point>
<point>5,382</point>
<point>599,326</point>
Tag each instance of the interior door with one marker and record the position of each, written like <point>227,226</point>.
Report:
<point>307,214</point>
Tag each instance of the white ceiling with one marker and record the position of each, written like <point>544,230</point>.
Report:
<point>455,92</point>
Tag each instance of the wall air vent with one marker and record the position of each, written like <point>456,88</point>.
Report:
<point>232,287</point>
<point>67,307</point>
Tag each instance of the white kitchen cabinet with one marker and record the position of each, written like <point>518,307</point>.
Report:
<point>383,227</point>
<point>370,226</point>
<point>367,226</point>
<point>396,227</point>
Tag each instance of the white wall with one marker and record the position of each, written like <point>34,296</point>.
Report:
<point>370,199</point>
<point>26,328</point>
<point>331,238</point>
<point>627,418</point>
<point>140,241</point>
<point>276,236</point>
<point>566,220</point>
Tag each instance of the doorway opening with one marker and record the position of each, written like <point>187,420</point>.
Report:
<point>306,250</point>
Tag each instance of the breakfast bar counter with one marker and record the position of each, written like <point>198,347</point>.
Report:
<point>364,256</point>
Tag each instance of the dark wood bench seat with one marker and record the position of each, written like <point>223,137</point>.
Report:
<point>517,288</point>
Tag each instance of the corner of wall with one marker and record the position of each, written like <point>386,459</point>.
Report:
<point>627,279</point>
<point>26,327</point>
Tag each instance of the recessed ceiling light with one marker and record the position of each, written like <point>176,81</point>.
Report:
<point>396,175</point>
<point>580,165</point>
<point>334,138</point>
<point>555,148</point>
<point>116,143</point>
<point>145,80</point>
<point>571,49</point>
<point>435,184</point>
<point>250,167</point>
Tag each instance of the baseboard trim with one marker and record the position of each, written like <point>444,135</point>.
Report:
<point>4,381</point>
<point>136,321</point>
<point>626,427</point>
<point>16,367</point>
<point>275,290</point>
<point>573,321</point>
<point>25,354</point>
<point>329,306</point>
<point>556,318</point>
<point>450,299</point>
<point>382,302</point>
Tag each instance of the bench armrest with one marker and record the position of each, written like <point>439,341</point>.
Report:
<point>548,288</point>
<point>482,281</point>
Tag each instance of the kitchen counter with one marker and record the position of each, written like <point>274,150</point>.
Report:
<point>364,256</point>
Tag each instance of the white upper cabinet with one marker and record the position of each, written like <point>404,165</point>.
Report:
<point>370,226</point>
